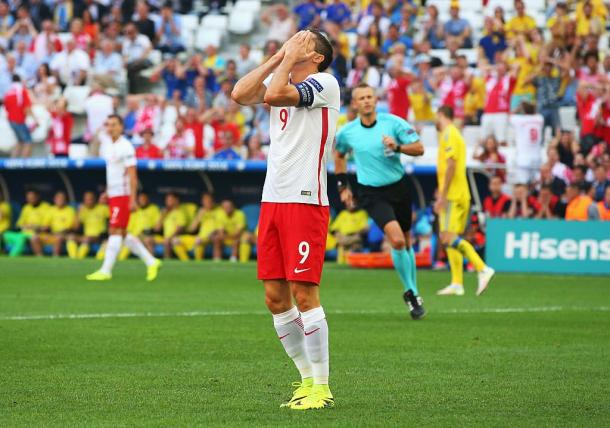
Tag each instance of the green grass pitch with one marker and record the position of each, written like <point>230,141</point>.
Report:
<point>197,347</point>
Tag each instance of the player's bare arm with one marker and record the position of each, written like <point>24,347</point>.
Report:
<point>345,193</point>
<point>413,149</point>
<point>281,92</point>
<point>441,202</point>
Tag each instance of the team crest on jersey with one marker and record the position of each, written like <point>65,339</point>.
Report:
<point>315,84</point>
<point>305,193</point>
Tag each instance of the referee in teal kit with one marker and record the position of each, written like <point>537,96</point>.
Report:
<point>376,141</point>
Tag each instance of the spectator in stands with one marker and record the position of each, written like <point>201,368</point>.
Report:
<point>213,61</point>
<point>522,205</point>
<point>82,40</point>
<point>589,99</point>
<point>18,105</point>
<point>197,96</point>
<point>149,115</point>
<point>107,65</point>
<point>496,204</point>
<point>558,169</point>
<point>173,75</point>
<point>528,129</point>
<point>59,223</point>
<point>181,144</point>
<point>491,157</point>
<point>89,227</point>
<point>547,81</point>
<point>452,89</point>
<point>421,103</point>
<point>255,151</point>
<point>578,203</point>
<point>339,65</point>
<point>145,25</point>
<point>203,134</point>
<point>25,63</point>
<point>363,72</point>
<point>46,43</point>
<point>23,30</point>
<point>46,90</point>
<point>550,205</point>
<point>521,24</point>
<point>376,16</point>
<point>8,68</point>
<point>457,30</point>
<point>280,22</point>
<point>91,27</point>
<point>245,63</point>
<point>397,91</point>
<point>72,65</point>
<point>6,22</point>
<point>171,223</point>
<point>349,228</point>
<point>65,11</point>
<point>500,84</point>
<point>588,20</point>
<point>168,34</point>
<point>394,37</point>
<point>493,43</point>
<point>546,178</point>
<point>148,149</point>
<point>223,97</point>
<point>136,50</point>
<point>433,28</point>
<point>233,224</point>
<point>143,221</point>
<point>227,150</point>
<point>579,176</point>
<point>308,14</point>
<point>600,182</point>
<point>339,13</point>
<point>599,210</point>
<point>60,132</point>
<point>98,106</point>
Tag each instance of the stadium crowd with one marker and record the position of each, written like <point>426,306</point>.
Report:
<point>511,77</point>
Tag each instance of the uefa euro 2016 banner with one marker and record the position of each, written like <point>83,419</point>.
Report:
<point>549,246</point>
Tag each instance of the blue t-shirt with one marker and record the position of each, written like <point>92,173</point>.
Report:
<point>455,27</point>
<point>373,167</point>
<point>173,83</point>
<point>387,44</point>
<point>338,13</point>
<point>493,44</point>
<point>226,154</point>
<point>306,12</point>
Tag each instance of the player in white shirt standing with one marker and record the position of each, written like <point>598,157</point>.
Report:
<point>528,130</point>
<point>294,213</point>
<point>121,187</point>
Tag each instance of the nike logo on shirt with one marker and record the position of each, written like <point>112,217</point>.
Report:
<point>296,270</point>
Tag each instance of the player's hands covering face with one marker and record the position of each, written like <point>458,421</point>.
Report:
<point>300,47</point>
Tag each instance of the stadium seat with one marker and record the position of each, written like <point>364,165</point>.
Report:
<point>189,22</point>
<point>472,135</point>
<point>206,37</point>
<point>214,22</point>
<point>471,55</point>
<point>241,22</point>
<point>253,6</point>
<point>78,151</point>
<point>567,117</point>
<point>76,97</point>
<point>252,212</point>
<point>43,117</point>
<point>428,136</point>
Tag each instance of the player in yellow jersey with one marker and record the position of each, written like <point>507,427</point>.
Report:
<point>172,223</point>
<point>91,222</point>
<point>59,222</point>
<point>5,217</point>
<point>453,206</point>
<point>233,224</point>
<point>349,228</point>
<point>143,221</point>
<point>203,230</point>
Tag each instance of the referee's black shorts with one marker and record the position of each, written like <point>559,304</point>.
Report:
<point>387,203</point>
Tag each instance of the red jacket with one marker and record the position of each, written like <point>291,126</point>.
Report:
<point>60,133</point>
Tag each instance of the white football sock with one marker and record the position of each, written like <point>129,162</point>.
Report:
<point>316,343</point>
<point>136,247</point>
<point>112,251</point>
<point>289,327</point>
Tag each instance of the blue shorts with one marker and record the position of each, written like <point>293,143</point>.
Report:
<point>21,132</point>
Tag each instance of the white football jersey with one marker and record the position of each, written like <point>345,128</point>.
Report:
<point>119,155</point>
<point>301,141</point>
<point>528,130</point>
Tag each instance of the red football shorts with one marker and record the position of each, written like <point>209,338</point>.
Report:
<point>292,241</point>
<point>119,211</point>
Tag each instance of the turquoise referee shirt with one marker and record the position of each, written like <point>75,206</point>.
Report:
<point>373,167</point>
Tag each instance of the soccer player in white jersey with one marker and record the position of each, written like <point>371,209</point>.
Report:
<point>121,188</point>
<point>294,216</point>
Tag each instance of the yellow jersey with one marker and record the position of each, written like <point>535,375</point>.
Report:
<point>349,223</point>
<point>451,145</point>
<point>60,220</point>
<point>93,220</point>
<point>210,222</point>
<point>475,97</point>
<point>526,67</point>
<point>422,107</point>
<point>143,219</point>
<point>32,217</point>
<point>190,210</point>
<point>174,220</point>
<point>519,24</point>
<point>5,216</point>
<point>232,224</point>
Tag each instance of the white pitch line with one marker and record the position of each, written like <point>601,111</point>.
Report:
<point>49,317</point>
